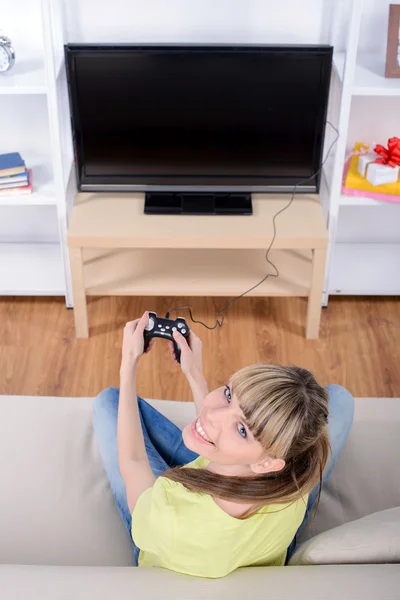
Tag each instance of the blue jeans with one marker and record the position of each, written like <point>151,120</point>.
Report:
<point>165,447</point>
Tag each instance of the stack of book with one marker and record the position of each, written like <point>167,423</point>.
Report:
<point>15,178</point>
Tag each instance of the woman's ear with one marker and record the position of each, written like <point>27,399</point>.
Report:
<point>268,465</point>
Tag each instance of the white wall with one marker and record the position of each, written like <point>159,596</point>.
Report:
<point>195,20</point>
<point>263,21</point>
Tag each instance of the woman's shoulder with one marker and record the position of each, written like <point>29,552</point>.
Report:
<point>164,483</point>
<point>198,463</point>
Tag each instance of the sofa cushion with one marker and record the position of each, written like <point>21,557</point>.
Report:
<point>352,582</point>
<point>366,478</point>
<point>56,506</point>
<point>372,539</point>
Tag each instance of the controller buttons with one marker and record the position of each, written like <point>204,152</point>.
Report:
<point>183,331</point>
<point>174,329</point>
<point>180,325</point>
<point>150,324</point>
<point>162,329</point>
<point>167,327</point>
<point>159,326</point>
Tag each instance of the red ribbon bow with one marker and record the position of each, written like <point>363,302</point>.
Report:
<point>390,156</point>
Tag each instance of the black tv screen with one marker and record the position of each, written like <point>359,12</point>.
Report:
<point>198,117</point>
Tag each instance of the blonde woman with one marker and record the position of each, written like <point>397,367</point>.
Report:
<point>233,488</point>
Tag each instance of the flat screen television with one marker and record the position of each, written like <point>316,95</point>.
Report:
<point>198,117</point>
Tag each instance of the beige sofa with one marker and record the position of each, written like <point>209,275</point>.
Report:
<point>61,537</point>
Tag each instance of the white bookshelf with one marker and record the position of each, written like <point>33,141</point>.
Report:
<point>31,270</point>
<point>39,268</point>
<point>371,267</point>
<point>40,76</point>
<point>28,76</point>
<point>43,188</point>
<point>360,201</point>
<point>369,76</point>
<point>365,269</point>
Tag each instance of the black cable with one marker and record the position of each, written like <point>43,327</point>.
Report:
<point>276,274</point>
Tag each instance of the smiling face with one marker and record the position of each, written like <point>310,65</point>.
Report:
<point>221,435</point>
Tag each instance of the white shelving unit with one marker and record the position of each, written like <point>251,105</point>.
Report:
<point>369,78</point>
<point>38,80</point>
<point>41,268</point>
<point>357,278</point>
<point>368,268</point>
<point>33,269</point>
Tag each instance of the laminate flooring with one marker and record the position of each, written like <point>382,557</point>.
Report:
<point>359,344</point>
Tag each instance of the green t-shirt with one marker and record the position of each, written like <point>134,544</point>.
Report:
<point>188,532</point>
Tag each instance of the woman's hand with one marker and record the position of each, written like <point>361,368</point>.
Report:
<point>133,343</point>
<point>191,354</point>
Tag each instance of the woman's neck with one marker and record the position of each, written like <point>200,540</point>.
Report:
<point>234,509</point>
<point>230,470</point>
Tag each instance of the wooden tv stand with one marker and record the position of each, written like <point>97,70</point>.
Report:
<point>115,249</point>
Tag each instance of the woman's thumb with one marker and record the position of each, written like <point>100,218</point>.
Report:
<point>178,337</point>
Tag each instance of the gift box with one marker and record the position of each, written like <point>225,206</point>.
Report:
<point>378,174</point>
<point>355,184</point>
<point>364,160</point>
<point>381,166</point>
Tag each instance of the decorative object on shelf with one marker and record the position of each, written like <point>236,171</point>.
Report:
<point>391,155</point>
<point>393,46</point>
<point>370,175</point>
<point>382,165</point>
<point>15,178</point>
<point>7,53</point>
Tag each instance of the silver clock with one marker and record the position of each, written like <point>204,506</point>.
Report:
<point>7,54</point>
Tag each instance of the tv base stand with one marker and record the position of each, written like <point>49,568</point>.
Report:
<point>198,203</point>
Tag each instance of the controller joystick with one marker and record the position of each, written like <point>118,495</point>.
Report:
<point>163,328</point>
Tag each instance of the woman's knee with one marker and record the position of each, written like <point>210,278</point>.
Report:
<point>105,402</point>
<point>340,399</point>
<point>341,413</point>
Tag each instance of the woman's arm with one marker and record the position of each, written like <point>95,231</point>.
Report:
<point>199,387</point>
<point>133,462</point>
<point>192,365</point>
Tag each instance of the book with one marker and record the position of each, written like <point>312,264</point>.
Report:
<point>24,189</point>
<point>9,186</point>
<point>22,177</point>
<point>11,164</point>
<point>14,181</point>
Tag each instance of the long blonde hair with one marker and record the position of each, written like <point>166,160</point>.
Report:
<point>287,411</point>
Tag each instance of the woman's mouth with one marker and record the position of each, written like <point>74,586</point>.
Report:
<point>199,432</point>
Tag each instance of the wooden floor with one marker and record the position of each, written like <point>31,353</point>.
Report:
<point>359,345</point>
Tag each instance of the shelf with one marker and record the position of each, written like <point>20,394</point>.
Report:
<point>370,77</point>
<point>43,187</point>
<point>365,269</point>
<point>27,76</point>
<point>362,201</point>
<point>195,272</point>
<point>31,270</point>
<point>117,220</point>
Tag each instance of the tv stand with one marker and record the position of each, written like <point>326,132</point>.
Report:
<point>117,250</point>
<point>198,203</point>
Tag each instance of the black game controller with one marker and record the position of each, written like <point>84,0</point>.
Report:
<point>164,328</point>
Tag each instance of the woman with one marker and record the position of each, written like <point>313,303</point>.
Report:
<point>253,462</point>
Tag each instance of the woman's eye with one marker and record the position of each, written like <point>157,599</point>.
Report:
<point>227,393</point>
<point>242,431</point>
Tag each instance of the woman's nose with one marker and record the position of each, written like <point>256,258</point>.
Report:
<point>216,415</point>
